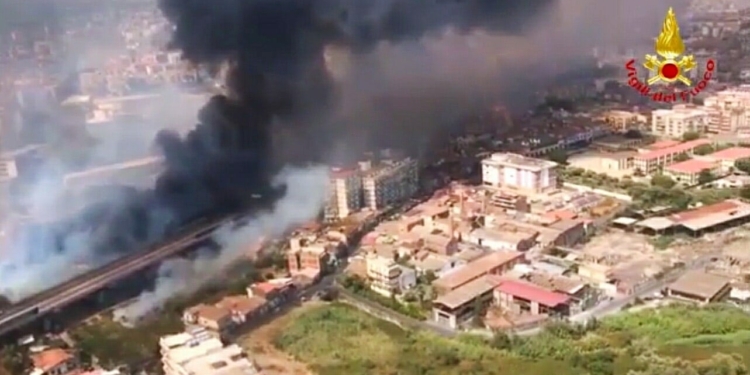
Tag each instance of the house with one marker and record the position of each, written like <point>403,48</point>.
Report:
<point>460,305</point>
<point>439,265</point>
<point>582,295</point>
<point>495,263</point>
<point>212,317</point>
<point>54,362</point>
<point>274,292</point>
<point>504,237</point>
<point>232,311</point>
<point>524,297</point>
<point>701,287</point>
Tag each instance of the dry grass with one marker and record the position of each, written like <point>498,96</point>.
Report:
<point>259,344</point>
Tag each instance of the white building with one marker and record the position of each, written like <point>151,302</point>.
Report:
<point>390,183</point>
<point>345,195</point>
<point>679,120</point>
<point>199,352</point>
<point>383,274</point>
<point>519,173</point>
<point>728,110</point>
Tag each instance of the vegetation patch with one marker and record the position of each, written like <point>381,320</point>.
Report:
<point>680,340</point>
<point>114,344</point>
<point>340,340</point>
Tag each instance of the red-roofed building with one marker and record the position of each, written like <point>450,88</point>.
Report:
<point>523,297</point>
<point>726,158</point>
<point>495,263</point>
<point>688,172</point>
<point>649,162</point>
<point>54,362</point>
<point>662,145</point>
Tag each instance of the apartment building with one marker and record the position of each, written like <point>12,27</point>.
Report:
<point>307,257</point>
<point>651,161</point>
<point>728,110</point>
<point>345,194</point>
<point>679,120</point>
<point>383,274</point>
<point>199,352</point>
<point>390,183</point>
<point>520,173</point>
<point>622,121</point>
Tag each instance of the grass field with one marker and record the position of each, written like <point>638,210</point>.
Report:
<point>339,340</point>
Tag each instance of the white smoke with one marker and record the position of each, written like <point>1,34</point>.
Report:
<point>305,196</point>
<point>35,261</point>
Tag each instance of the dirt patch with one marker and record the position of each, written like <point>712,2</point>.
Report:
<point>259,344</point>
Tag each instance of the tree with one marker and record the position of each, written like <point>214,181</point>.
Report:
<point>690,136</point>
<point>743,165</point>
<point>558,156</point>
<point>662,181</point>
<point>705,177</point>
<point>478,312</point>
<point>745,192</point>
<point>429,277</point>
<point>633,134</point>
<point>681,157</point>
<point>704,149</point>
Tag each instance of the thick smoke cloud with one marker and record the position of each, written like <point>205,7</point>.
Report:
<point>400,69</point>
<point>281,84</point>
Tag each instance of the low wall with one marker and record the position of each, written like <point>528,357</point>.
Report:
<point>606,193</point>
<point>376,310</point>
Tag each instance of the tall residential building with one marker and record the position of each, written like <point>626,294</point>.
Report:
<point>729,110</point>
<point>345,194</point>
<point>520,173</point>
<point>383,273</point>
<point>679,120</point>
<point>390,183</point>
<point>199,352</point>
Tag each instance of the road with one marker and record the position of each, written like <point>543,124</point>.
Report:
<point>94,280</point>
<point>616,305</point>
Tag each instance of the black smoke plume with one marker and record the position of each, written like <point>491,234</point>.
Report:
<point>279,93</point>
<point>274,51</point>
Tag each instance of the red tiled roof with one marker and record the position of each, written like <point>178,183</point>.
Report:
<point>532,293</point>
<point>691,166</point>
<point>732,153</point>
<point>677,149</point>
<point>50,358</point>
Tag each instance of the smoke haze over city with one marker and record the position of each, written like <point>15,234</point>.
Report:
<point>304,82</point>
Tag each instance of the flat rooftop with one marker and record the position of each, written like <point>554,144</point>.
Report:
<point>518,161</point>
<point>700,284</point>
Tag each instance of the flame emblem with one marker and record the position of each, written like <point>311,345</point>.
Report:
<point>669,46</point>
